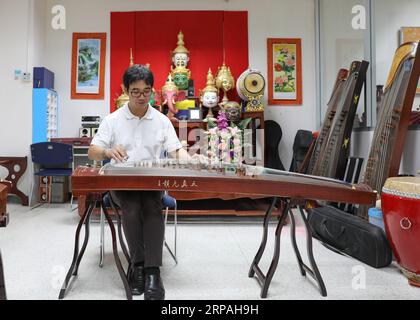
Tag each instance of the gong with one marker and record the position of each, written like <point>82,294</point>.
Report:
<point>250,86</point>
<point>250,83</point>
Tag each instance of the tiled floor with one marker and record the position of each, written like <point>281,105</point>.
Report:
<point>214,259</point>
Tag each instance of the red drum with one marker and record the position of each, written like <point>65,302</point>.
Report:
<point>401,211</point>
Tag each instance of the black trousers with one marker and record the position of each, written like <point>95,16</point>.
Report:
<point>143,224</point>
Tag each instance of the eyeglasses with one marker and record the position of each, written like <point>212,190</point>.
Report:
<point>138,93</point>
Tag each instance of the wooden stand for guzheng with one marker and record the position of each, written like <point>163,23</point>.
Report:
<point>286,188</point>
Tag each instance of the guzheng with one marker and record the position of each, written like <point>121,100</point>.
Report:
<point>393,119</point>
<point>218,178</point>
<point>333,158</point>
<point>329,117</point>
<point>172,175</point>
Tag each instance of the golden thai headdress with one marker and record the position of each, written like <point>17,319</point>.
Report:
<point>181,45</point>
<point>181,70</point>
<point>210,84</point>
<point>170,84</point>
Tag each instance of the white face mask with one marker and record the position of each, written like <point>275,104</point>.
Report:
<point>180,60</point>
<point>210,99</point>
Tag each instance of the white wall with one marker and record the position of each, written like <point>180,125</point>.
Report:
<point>22,37</point>
<point>267,18</point>
<point>390,16</point>
<point>410,162</point>
<point>340,45</point>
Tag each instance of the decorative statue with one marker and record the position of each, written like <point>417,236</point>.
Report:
<point>181,75</point>
<point>180,56</point>
<point>123,98</point>
<point>170,95</point>
<point>233,111</point>
<point>224,81</point>
<point>209,96</point>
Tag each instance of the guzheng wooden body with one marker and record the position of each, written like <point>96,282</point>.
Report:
<point>249,180</point>
<point>393,119</point>
<point>333,159</point>
<point>329,117</point>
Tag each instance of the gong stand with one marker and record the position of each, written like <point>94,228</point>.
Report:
<point>16,167</point>
<point>265,279</point>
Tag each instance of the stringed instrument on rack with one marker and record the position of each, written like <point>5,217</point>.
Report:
<point>240,181</point>
<point>333,159</point>
<point>393,119</point>
<point>329,116</point>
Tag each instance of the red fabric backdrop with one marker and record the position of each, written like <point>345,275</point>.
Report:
<point>211,37</point>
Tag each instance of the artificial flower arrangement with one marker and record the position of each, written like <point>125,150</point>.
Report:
<point>225,140</point>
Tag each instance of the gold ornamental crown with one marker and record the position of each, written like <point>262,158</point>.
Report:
<point>181,70</point>
<point>181,45</point>
<point>224,74</point>
<point>210,85</point>
<point>170,84</point>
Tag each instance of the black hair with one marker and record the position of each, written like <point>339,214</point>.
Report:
<point>136,73</point>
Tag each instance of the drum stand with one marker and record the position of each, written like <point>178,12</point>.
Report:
<point>264,280</point>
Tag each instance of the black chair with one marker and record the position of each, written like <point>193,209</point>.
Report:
<point>272,137</point>
<point>50,159</point>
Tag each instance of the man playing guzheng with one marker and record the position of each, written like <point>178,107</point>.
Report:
<point>138,132</point>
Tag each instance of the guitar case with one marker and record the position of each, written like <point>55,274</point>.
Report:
<point>350,235</point>
<point>303,140</point>
<point>272,137</point>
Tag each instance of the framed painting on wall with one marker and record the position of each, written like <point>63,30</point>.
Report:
<point>88,66</point>
<point>410,34</point>
<point>284,71</point>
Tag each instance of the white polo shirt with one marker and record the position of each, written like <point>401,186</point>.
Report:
<point>143,138</point>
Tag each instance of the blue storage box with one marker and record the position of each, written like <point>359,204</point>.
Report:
<point>376,218</point>
<point>43,78</point>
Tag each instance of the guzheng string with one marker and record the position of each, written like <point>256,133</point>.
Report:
<point>174,167</point>
<point>329,116</point>
<point>325,161</point>
<point>383,142</point>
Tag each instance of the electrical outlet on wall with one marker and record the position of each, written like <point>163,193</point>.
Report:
<point>26,76</point>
